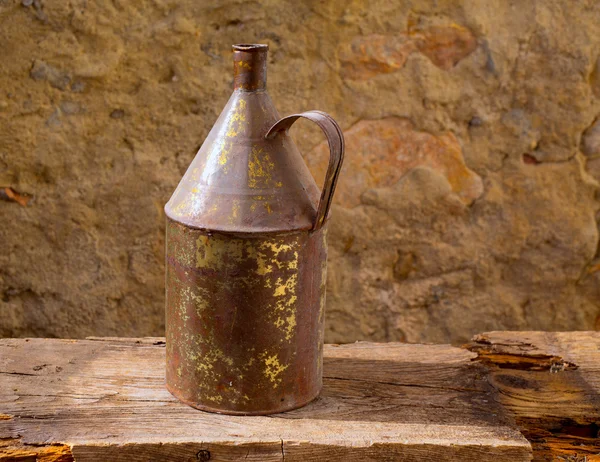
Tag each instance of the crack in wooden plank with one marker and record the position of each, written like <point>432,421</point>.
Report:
<point>415,385</point>
<point>19,373</point>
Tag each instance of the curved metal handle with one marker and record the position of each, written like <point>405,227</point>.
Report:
<point>335,138</point>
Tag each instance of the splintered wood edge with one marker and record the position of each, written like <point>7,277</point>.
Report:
<point>527,367</point>
<point>14,450</point>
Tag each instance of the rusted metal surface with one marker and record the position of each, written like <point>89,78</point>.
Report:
<point>335,138</point>
<point>246,258</point>
<point>250,67</point>
<point>241,182</point>
<point>245,319</point>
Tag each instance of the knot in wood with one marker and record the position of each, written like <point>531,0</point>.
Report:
<point>203,455</point>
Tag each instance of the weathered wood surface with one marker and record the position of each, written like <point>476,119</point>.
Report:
<point>104,399</point>
<point>550,382</point>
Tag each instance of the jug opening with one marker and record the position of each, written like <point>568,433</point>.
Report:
<point>250,47</point>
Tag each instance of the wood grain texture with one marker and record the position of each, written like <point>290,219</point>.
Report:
<point>550,382</point>
<point>105,399</point>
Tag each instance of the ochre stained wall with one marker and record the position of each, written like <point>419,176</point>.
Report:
<point>469,197</point>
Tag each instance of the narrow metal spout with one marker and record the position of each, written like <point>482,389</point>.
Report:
<point>250,67</point>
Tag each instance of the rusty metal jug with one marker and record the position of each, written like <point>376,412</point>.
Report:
<point>246,257</point>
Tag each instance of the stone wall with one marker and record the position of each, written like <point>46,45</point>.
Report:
<point>468,201</point>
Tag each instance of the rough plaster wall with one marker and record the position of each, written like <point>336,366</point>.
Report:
<point>468,201</point>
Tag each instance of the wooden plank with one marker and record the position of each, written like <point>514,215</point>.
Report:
<point>550,381</point>
<point>105,400</point>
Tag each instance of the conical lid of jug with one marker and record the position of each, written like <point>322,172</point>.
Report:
<point>239,181</point>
